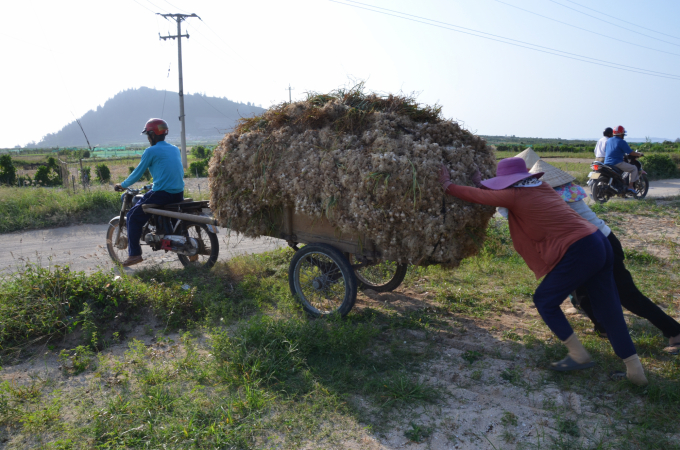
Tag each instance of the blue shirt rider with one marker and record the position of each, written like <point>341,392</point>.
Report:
<point>615,149</point>
<point>165,164</point>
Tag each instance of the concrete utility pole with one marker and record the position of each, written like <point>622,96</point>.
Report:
<point>290,95</point>
<point>179,18</point>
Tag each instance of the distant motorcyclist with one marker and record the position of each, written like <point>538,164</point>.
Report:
<point>615,149</point>
<point>599,148</point>
<point>165,164</point>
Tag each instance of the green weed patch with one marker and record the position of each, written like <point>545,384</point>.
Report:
<point>31,208</point>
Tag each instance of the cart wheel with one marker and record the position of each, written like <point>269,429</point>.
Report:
<point>385,276</point>
<point>322,279</point>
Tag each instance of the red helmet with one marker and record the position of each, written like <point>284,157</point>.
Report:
<point>158,127</point>
<point>619,131</point>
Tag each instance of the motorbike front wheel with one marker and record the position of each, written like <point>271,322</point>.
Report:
<point>600,192</point>
<point>208,248</point>
<point>117,244</point>
<point>641,187</point>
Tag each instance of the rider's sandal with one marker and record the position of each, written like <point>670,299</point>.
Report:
<point>132,260</point>
<point>568,364</point>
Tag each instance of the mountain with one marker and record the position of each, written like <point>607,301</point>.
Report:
<point>121,119</point>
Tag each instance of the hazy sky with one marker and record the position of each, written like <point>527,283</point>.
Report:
<point>61,59</point>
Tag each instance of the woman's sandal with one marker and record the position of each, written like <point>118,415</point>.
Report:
<point>568,364</point>
<point>672,349</point>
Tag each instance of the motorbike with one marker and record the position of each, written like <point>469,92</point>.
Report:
<point>185,228</point>
<point>606,181</point>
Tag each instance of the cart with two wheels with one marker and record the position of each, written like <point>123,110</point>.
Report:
<point>326,272</point>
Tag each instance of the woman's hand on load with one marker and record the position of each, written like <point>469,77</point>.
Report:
<point>444,177</point>
<point>477,178</point>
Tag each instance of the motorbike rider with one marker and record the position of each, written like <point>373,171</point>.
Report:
<point>615,149</point>
<point>165,164</point>
<point>599,148</point>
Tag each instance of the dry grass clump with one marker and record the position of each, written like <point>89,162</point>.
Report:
<point>367,162</point>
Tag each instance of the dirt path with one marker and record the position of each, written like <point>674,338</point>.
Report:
<point>83,247</point>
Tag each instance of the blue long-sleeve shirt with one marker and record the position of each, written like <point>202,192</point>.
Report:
<point>165,164</point>
<point>614,150</point>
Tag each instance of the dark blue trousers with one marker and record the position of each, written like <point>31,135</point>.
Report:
<point>136,218</point>
<point>588,262</point>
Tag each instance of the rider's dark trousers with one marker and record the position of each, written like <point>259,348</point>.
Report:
<point>631,297</point>
<point>588,262</point>
<point>136,218</point>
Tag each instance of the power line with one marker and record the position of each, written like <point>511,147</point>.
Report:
<point>29,43</point>
<point>166,89</point>
<point>624,21</point>
<point>208,40</point>
<point>153,12</point>
<point>220,38</point>
<point>156,6</point>
<point>612,23</point>
<point>166,1</point>
<point>208,103</point>
<point>509,41</point>
<point>585,29</point>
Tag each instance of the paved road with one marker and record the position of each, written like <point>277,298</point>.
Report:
<point>83,247</point>
<point>664,188</point>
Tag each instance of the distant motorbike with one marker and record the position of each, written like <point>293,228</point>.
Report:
<point>610,181</point>
<point>185,228</point>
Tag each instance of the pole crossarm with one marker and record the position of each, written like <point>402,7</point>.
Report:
<point>179,16</point>
<point>173,37</point>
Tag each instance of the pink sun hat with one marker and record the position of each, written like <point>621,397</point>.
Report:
<point>509,172</point>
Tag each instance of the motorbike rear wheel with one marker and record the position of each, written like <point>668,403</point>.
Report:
<point>600,192</point>
<point>118,250</point>
<point>208,244</point>
<point>641,187</point>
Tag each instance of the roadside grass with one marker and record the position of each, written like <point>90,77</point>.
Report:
<point>31,208</point>
<point>578,155</point>
<point>647,207</point>
<point>232,362</point>
<point>578,170</point>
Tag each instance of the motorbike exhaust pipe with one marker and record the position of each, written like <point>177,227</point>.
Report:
<point>611,180</point>
<point>182,216</point>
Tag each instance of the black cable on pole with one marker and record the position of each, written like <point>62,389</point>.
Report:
<point>586,30</point>
<point>612,23</point>
<point>624,21</point>
<point>514,42</point>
